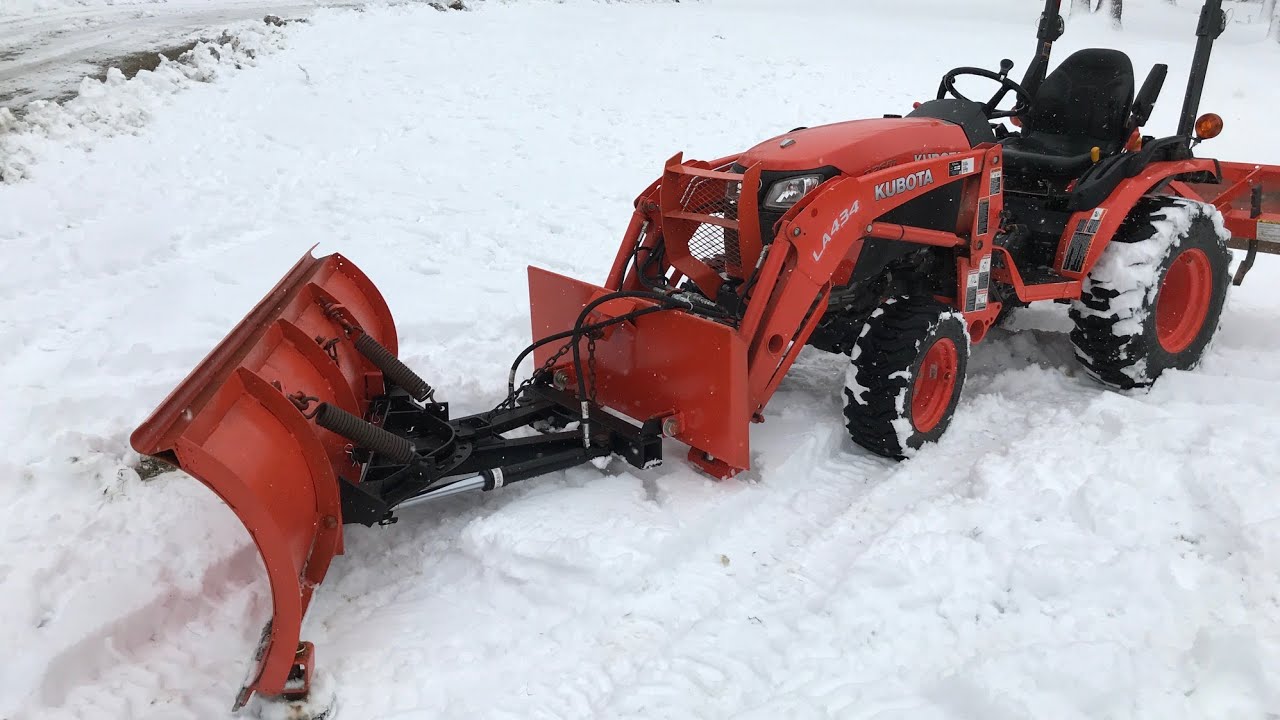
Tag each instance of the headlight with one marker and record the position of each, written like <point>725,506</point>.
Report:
<point>786,193</point>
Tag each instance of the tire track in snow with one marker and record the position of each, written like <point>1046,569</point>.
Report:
<point>824,563</point>
<point>761,527</point>
<point>843,501</point>
<point>795,534</point>
<point>780,535</point>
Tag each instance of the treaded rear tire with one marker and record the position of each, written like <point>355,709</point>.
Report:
<point>1116,336</point>
<point>886,360</point>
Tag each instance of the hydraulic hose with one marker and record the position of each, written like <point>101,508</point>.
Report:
<point>515,366</point>
<point>574,336</point>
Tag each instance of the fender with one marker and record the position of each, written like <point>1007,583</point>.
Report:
<point>1089,231</point>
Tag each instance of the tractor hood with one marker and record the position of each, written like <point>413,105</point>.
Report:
<point>858,146</point>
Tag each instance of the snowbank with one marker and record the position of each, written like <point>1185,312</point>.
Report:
<point>117,105</point>
<point>19,8</point>
<point>28,7</point>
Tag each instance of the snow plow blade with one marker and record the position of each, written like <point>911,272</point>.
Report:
<point>237,424</point>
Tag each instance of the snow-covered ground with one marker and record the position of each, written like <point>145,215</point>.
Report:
<point>47,46</point>
<point>1065,552</point>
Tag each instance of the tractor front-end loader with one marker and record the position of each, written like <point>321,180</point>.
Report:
<point>899,241</point>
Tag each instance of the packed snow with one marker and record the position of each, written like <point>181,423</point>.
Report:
<point>48,46</point>
<point>1064,552</point>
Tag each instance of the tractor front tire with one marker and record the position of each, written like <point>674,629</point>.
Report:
<point>1153,301</point>
<point>907,373</point>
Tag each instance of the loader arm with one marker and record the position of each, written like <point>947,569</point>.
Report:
<point>827,230</point>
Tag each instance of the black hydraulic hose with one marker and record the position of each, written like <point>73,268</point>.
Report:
<point>755,274</point>
<point>574,335</point>
<point>643,266</point>
<point>515,366</point>
<point>667,304</point>
<point>365,434</point>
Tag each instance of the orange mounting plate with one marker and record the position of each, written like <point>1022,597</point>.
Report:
<point>231,425</point>
<point>657,366</point>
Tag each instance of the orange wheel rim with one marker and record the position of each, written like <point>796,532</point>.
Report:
<point>1183,302</point>
<point>934,386</point>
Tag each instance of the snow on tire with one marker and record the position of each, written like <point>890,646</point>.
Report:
<point>1153,300</point>
<point>907,373</point>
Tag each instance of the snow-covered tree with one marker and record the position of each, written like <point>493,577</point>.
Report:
<point>1117,11</point>
<point>1115,8</point>
<point>1085,6</point>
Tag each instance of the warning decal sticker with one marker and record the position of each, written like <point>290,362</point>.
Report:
<point>1078,250</point>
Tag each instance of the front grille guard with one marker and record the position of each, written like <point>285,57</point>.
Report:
<point>709,224</point>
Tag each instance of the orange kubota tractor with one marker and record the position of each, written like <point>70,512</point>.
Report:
<point>898,240</point>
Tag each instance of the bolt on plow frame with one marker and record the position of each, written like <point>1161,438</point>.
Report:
<point>898,241</point>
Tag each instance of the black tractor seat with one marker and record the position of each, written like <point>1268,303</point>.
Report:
<point>1052,156</point>
<point>1084,103</point>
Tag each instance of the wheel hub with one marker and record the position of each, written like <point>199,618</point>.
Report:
<point>934,385</point>
<point>1183,302</point>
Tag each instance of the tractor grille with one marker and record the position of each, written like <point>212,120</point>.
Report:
<point>712,244</point>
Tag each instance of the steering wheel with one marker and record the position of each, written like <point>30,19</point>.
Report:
<point>1023,99</point>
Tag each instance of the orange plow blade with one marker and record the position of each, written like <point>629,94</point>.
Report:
<point>236,423</point>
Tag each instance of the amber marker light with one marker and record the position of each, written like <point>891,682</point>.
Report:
<point>1209,126</point>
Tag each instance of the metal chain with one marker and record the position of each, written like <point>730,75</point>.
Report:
<point>591,365</point>
<point>510,400</point>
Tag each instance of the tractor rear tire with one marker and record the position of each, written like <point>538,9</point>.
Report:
<point>1153,301</point>
<point>907,373</point>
